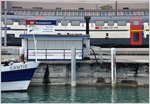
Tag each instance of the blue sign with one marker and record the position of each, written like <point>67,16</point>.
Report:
<point>45,22</point>
<point>7,28</point>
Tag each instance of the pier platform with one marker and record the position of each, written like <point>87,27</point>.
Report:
<point>132,66</point>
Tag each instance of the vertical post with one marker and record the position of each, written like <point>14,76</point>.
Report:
<point>113,67</point>
<point>0,40</point>
<point>87,20</point>
<point>5,18</point>
<point>24,45</point>
<point>65,30</point>
<point>101,55</point>
<point>116,8</point>
<point>35,46</point>
<point>73,67</point>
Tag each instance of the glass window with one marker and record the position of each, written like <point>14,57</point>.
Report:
<point>75,23</point>
<point>99,23</point>
<point>136,36</point>
<point>92,24</point>
<point>122,23</point>
<point>136,22</point>
<point>64,22</point>
<point>110,23</point>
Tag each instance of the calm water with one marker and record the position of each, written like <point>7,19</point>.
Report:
<point>80,94</point>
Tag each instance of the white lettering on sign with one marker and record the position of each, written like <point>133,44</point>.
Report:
<point>110,27</point>
<point>18,67</point>
<point>40,29</point>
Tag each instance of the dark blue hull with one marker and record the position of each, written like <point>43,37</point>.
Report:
<point>17,75</point>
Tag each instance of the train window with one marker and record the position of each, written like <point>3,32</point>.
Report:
<point>147,36</point>
<point>99,23</point>
<point>37,8</point>
<point>58,8</point>
<point>92,24</point>
<point>16,7</point>
<point>22,22</point>
<point>57,22</point>
<point>82,24</point>
<point>64,22</point>
<point>121,23</point>
<point>107,36</point>
<point>136,36</point>
<point>110,23</point>
<point>136,22</point>
<point>81,8</point>
<point>9,22</point>
<point>75,23</point>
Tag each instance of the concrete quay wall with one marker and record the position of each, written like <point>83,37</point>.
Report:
<point>91,73</point>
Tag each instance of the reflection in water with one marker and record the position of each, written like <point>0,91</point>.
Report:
<point>79,94</point>
<point>14,97</point>
<point>73,94</point>
<point>113,95</point>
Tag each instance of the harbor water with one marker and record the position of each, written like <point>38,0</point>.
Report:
<point>79,94</point>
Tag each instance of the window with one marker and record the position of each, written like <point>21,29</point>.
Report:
<point>81,8</point>
<point>121,23</point>
<point>64,22</point>
<point>58,8</point>
<point>136,37</point>
<point>136,22</point>
<point>99,23</point>
<point>125,7</point>
<point>92,24</point>
<point>75,23</point>
<point>147,36</point>
<point>110,23</point>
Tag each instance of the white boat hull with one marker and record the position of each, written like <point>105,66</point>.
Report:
<point>17,77</point>
<point>15,86</point>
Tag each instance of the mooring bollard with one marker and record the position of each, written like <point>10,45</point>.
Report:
<point>73,67</point>
<point>113,67</point>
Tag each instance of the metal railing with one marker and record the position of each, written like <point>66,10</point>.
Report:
<point>71,12</point>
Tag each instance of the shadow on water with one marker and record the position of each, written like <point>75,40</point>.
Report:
<point>79,94</point>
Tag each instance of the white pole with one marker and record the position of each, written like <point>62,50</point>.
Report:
<point>113,67</point>
<point>35,45</point>
<point>5,18</point>
<point>73,67</point>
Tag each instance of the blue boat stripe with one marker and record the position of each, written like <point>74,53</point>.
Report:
<point>18,75</point>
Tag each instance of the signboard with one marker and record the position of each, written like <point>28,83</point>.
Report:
<point>40,22</point>
<point>7,28</point>
<point>40,29</point>
<point>40,26</point>
<point>105,27</point>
